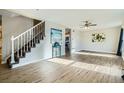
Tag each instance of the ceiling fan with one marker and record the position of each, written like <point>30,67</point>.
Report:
<point>87,24</point>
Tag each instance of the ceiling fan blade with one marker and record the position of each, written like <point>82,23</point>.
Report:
<point>93,25</point>
<point>85,21</point>
<point>89,23</point>
<point>82,25</point>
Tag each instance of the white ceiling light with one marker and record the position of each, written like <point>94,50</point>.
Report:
<point>86,27</point>
<point>86,24</point>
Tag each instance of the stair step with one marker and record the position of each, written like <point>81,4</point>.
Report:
<point>11,65</point>
<point>38,41</point>
<point>21,53</point>
<point>22,56</point>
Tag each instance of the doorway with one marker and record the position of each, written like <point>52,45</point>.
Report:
<point>67,41</point>
<point>56,40</point>
<point>0,39</point>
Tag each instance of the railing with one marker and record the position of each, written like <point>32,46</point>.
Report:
<point>25,40</point>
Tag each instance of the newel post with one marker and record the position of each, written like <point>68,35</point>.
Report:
<point>12,55</point>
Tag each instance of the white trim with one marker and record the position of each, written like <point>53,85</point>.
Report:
<point>123,64</point>
<point>123,58</point>
<point>98,51</point>
<point>26,63</point>
<point>3,62</point>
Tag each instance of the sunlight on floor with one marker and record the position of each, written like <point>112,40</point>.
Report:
<point>114,71</point>
<point>61,61</point>
<point>96,54</point>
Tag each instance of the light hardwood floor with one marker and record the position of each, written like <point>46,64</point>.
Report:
<point>0,55</point>
<point>77,68</point>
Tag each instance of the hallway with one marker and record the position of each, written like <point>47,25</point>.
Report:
<point>77,68</point>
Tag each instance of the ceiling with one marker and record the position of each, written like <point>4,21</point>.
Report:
<point>72,18</point>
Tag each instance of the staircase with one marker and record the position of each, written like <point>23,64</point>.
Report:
<point>23,43</point>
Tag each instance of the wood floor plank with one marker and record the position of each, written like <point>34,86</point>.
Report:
<point>77,68</point>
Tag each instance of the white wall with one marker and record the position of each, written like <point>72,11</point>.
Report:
<point>48,27</point>
<point>110,45</point>
<point>75,41</point>
<point>13,26</point>
<point>47,46</point>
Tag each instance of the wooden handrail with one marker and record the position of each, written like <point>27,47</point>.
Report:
<point>27,30</point>
<point>29,34</point>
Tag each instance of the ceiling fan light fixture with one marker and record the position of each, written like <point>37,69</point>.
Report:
<point>86,27</point>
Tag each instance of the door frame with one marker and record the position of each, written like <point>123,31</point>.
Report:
<point>52,42</point>
<point>69,40</point>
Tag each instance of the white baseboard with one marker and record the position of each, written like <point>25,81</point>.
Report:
<point>26,63</point>
<point>99,51</point>
<point>123,58</point>
<point>3,62</point>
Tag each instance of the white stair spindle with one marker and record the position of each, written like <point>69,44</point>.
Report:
<point>21,45</point>
<point>24,42</point>
<point>27,41</point>
<point>30,38</point>
<point>38,32</point>
<point>34,35</point>
<point>12,55</point>
<point>18,48</point>
<point>39,28</point>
